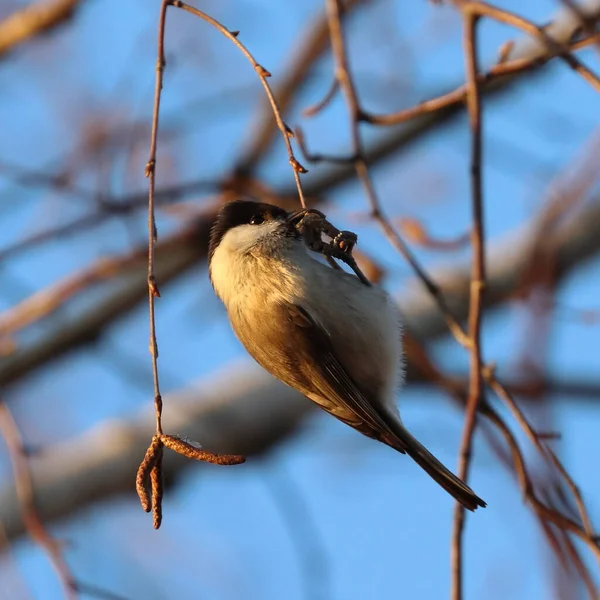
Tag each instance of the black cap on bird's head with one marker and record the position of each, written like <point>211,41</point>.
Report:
<point>242,212</point>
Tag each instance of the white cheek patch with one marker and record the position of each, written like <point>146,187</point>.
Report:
<point>228,265</point>
<point>243,237</point>
<point>218,271</point>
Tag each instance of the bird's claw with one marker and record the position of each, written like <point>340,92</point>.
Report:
<point>345,241</point>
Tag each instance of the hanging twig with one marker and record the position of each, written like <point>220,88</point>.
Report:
<point>150,471</point>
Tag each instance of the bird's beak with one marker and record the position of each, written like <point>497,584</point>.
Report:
<point>295,217</point>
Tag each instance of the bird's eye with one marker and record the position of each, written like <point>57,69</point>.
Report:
<point>257,220</point>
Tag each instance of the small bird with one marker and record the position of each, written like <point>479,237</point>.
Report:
<point>317,329</point>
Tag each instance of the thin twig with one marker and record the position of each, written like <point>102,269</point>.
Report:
<point>150,471</point>
<point>547,515</point>
<point>478,279</point>
<point>551,520</point>
<point>304,56</point>
<point>263,74</point>
<point>560,50</point>
<point>24,486</point>
<point>459,95</point>
<point>317,107</point>
<point>587,534</point>
<point>153,291</point>
<point>344,77</point>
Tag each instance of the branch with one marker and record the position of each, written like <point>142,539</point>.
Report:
<point>312,47</point>
<point>251,411</point>
<point>29,514</point>
<point>477,287</point>
<point>575,241</point>
<point>263,75</point>
<point>493,75</point>
<point>562,29</point>
<point>151,467</point>
<point>175,255</point>
<point>32,21</point>
<point>358,160</point>
<point>553,46</point>
<point>32,522</point>
<point>564,24</point>
<point>243,408</point>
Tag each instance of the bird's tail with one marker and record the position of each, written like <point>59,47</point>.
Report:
<point>448,480</point>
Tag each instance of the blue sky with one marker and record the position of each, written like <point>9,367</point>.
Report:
<point>383,526</point>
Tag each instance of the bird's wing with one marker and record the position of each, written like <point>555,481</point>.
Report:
<point>312,358</point>
<point>297,350</point>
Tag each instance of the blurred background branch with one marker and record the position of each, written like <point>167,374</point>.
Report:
<point>31,21</point>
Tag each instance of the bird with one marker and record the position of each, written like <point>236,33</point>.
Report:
<point>319,330</point>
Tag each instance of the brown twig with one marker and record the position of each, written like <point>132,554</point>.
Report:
<point>546,515</point>
<point>459,95</point>
<point>24,486</point>
<point>314,42</point>
<point>263,74</point>
<point>478,280</point>
<point>153,291</point>
<point>317,107</point>
<point>558,49</point>
<point>344,77</point>
<point>553,522</point>
<point>587,533</point>
<point>151,466</point>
